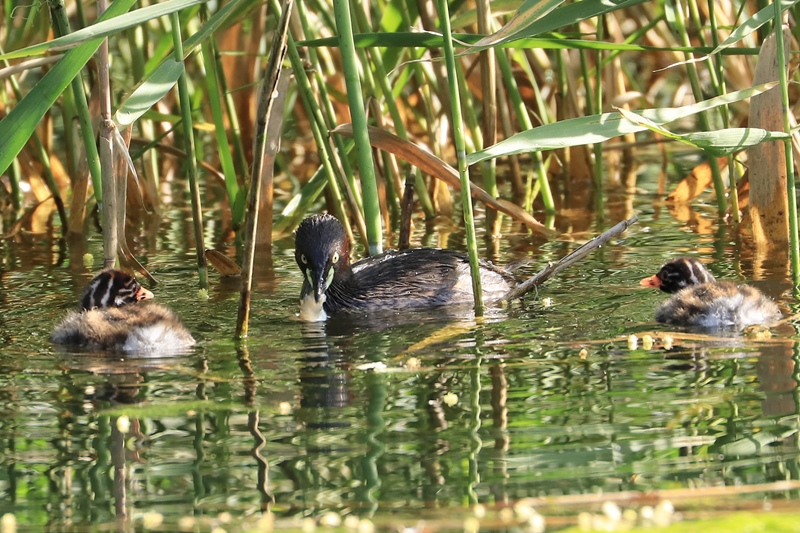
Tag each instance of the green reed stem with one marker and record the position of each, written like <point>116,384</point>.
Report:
<point>489,119</point>
<point>236,196</point>
<point>461,154</point>
<point>475,137</point>
<point>137,44</point>
<point>16,192</point>
<point>794,241</point>
<point>61,27</point>
<point>230,109</point>
<point>382,87</point>
<point>718,79</point>
<point>702,117</point>
<point>328,113</point>
<point>366,168</point>
<point>512,89</point>
<point>412,69</point>
<point>317,122</point>
<point>189,147</point>
<point>598,102</point>
<point>319,130</point>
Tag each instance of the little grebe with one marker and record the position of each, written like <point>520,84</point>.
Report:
<point>698,299</point>
<point>414,278</point>
<point>111,320</point>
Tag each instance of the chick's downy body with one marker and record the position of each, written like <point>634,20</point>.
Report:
<point>112,319</point>
<point>699,300</point>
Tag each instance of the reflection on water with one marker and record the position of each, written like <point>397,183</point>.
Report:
<point>393,416</point>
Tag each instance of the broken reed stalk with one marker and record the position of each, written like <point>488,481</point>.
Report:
<point>267,100</point>
<point>106,151</point>
<point>787,148</point>
<point>572,258</point>
<point>263,233</point>
<point>406,209</point>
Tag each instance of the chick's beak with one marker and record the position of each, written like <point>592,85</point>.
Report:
<point>653,281</point>
<point>143,294</point>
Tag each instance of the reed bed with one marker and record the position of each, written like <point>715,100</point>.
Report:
<point>562,95</point>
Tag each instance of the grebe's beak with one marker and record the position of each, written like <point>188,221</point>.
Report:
<point>320,283</point>
<point>653,281</point>
<point>316,283</point>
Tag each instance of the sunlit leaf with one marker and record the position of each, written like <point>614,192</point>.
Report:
<point>599,128</point>
<point>752,24</point>
<point>105,27</point>
<point>159,83</point>
<point>717,143</point>
<point>537,21</point>
<point>526,15</point>
<point>17,127</point>
<point>731,140</point>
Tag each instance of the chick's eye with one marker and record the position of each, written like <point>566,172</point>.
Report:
<point>335,258</point>
<point>303,259</point>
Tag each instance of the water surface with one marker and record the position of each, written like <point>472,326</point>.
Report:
<point>400,418</point>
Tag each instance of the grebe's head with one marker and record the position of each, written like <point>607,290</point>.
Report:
<point>322,252</point>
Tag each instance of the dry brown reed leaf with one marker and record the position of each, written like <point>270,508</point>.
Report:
<point>35,220</point>
<point>694,183</point>
<point>239,71</point>
<point>222,263</point>
<point>430,164</point>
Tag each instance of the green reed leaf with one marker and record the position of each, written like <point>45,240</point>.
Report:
<point>599,128</point>
<point>104,28</point>
<point>532,20</point>
<point>17,127</point>
<point>145,96</point>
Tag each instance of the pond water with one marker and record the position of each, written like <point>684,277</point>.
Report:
<point>421,417</point>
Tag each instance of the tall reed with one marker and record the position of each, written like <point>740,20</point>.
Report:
<point>461,154</point>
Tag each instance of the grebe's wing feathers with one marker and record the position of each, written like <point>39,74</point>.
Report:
<point>419,277</point>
